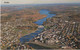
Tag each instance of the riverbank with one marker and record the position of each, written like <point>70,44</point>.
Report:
<point>27,38</point>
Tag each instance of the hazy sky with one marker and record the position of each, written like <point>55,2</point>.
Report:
<point>38,1</point>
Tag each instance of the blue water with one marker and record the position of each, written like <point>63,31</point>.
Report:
<point>46,12</point>
<point>29,37</point>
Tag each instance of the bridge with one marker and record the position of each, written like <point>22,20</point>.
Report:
<point>40,26</point>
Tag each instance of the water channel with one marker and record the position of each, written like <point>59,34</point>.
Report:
<point>30,36</point>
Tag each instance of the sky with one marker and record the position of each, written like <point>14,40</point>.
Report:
<point>38,1</point>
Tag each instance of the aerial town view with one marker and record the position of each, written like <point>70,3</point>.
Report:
<point>48,24</point>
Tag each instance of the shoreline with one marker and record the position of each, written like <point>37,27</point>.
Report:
<point>39,22</point>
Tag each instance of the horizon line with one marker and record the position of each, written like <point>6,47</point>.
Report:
<point>40,4</point>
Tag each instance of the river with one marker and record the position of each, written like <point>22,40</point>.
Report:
<point>29,37</point>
